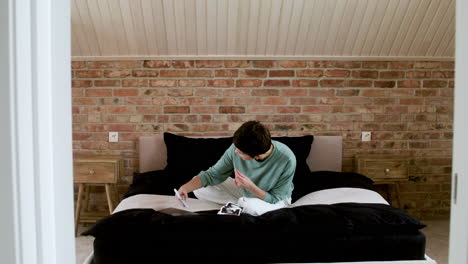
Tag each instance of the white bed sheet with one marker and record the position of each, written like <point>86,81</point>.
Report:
<point>328,196</point>
<point>160,202</point>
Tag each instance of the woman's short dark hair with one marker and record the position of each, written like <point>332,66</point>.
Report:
<point>252,138</point>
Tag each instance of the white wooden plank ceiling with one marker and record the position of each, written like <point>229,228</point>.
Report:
<point>370,29</point>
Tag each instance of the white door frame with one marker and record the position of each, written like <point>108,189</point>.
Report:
<point>36,158</point>
<point>8,228</point>
<point>458,249</point>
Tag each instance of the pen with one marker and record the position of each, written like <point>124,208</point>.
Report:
<point>180,198</point>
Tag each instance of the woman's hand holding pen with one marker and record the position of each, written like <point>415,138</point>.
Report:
<point>182,200</point>
<point>183,193</point>
<point>184,190</point>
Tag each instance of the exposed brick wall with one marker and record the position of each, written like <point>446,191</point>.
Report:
<point>408,106</point>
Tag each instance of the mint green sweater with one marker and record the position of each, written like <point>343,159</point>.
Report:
<point>273,175</point>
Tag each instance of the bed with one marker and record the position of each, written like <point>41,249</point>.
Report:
<point>335,217</point>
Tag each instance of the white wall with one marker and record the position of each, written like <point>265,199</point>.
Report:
<point>36,182</point>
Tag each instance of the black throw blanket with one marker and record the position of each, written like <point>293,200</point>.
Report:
<point>309,233</point>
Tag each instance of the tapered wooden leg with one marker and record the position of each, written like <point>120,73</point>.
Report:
<point>389,194</point>
<point>78,206</point>
<point>109,200</point>
<point>116,194</point>
<point>397,194</point>
<point>86,197</point>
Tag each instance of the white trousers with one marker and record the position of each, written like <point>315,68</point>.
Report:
<point>227,191</point>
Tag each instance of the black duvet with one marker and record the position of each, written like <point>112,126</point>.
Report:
<point>309,233</point>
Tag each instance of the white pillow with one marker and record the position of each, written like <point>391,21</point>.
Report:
<point>340,195</point>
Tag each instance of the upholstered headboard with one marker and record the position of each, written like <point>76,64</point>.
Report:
<point>325,153</point>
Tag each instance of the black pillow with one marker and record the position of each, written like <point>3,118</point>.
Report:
<point>300,146</point>
<point>321,180</point>
<point>151,182</point>
<point>154,182</point>
<point>186,157</point>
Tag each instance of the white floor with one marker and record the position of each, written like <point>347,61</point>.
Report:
<point>437,234</point>
<point>84,246</point>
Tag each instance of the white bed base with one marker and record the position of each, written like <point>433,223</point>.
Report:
<point>428,260</point>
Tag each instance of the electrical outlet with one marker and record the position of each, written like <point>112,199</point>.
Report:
<point>113,136</point>
<point>366,136</point>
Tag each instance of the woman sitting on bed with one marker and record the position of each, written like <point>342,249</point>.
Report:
<point>263,170</point>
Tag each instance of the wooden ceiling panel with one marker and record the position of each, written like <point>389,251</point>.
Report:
<point>367,29</point>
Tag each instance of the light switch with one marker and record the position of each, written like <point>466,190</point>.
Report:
<point>113,136</point>
<point>366,136</point>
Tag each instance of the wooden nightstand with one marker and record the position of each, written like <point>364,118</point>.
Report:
<point>95,170</point>
<point>384,169</point>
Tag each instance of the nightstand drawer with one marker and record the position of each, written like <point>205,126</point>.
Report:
<point>95,172</point>
<point>383,168</point>
<point>390,170</point>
